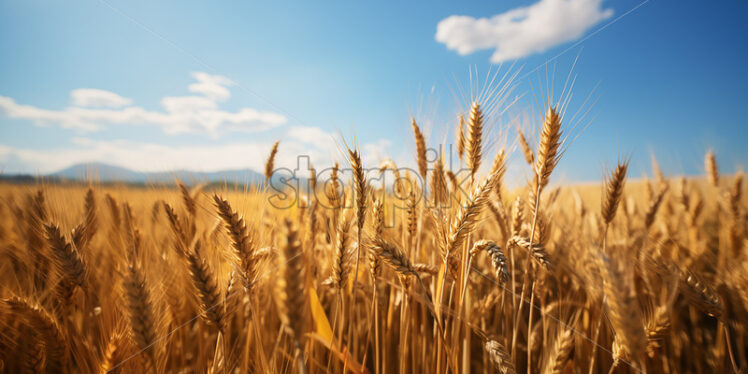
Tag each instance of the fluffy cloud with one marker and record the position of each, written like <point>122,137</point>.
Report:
<point>139,156</point>
<point>149,157</point>
<point>92,97</point>
<point>371,153</point>
<point>313,135</point>
<point>182,114</point>
<point>522,31</point>
<point>197,112</point>
<point>212,86</point>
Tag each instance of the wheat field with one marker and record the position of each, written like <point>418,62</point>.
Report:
<point>456,274</point>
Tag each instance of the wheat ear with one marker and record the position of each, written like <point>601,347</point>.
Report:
<point>270,163</point>
<point>548,149</point>
<point>359,186</point>
<point>467,216</point>
<point>140,311</point>
<point>67,260</point>
<point>342,255</point>
<point>420,149</point>
<point>526,150</point>
<point>461,136</point>
<point>393,256</point>
<point>613,192</point>
<point>36,218</point>
<point>501,359</point>
<point>294,273</point>
<point>83,235</point>
<point>654,206</point>
<point>242,243</point>
<point>207,288</point>
<point>113,211</point>
<point>378,213</point>
<point>474,142</point>
<point>439,183</point>
<point>498,260</point>
<point>293,291</point>
<point>177,228</point>
<point>189,201</point>
<point>536,250</point>
<point>561,352</point>
<point>50,332</point>
<point>700,294</point>
<point>657,328</point>
<point>712,171</point>
<point>548,154</point>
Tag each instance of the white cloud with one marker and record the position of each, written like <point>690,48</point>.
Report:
<point>522,31</point>
<point>313,135</point>
<point>198,112</point>
<point>92,97</point>
<point>43,116</point>
<point>372,154</point>
<point>150,157</point>
<point>182,114</point>
<point>138,156</point>
<point>376,152</point>
<point>187,104</point>
<point>212,86</point>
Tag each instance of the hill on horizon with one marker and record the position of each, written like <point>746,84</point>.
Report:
<point>106,173</point>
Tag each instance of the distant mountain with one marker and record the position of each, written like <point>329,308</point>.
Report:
<point>106,173</point>
<point>100,172</point>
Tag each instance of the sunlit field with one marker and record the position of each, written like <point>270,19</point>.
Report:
<point>433,271</point>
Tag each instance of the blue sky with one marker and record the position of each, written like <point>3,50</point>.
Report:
<point>170,85</point>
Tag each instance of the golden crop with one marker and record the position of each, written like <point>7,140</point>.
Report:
<point>648,276</point>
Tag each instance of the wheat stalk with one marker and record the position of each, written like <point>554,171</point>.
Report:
<point>497,210</point>
<point>623,313</point>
